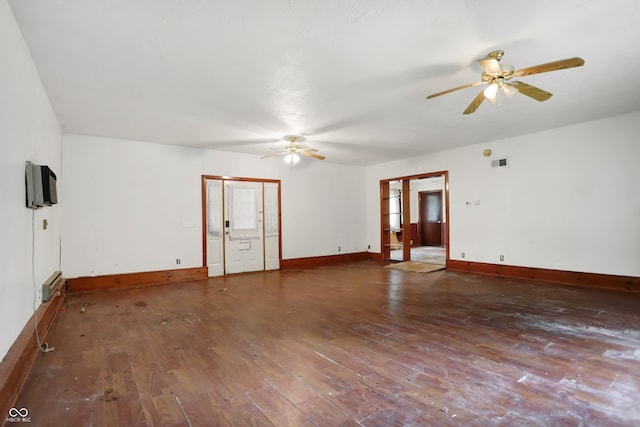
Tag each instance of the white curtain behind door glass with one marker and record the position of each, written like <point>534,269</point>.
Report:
<point>214,208</point>
<point>243,213</point>
<point>271,226</point>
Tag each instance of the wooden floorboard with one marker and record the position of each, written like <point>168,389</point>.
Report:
<point>347,345</point>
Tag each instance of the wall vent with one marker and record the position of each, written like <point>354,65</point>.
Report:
<point>500,163</point>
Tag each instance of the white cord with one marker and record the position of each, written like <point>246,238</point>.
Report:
<point>43,348</point>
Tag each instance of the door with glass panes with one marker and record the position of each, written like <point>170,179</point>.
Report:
<point>242,226</point>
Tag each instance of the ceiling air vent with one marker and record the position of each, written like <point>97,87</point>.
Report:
<point>500,163</point>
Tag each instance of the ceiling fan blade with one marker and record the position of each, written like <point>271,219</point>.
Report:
<point>490,66</point>
<point>551,66</point>
<point>532,91</point>
<point>282,153</point>
<point>315,156</point>
<point>308,149</point>
<point>454,89</point>
<point>475,103</point>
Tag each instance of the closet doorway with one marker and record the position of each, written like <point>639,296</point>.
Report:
<point>241,225</point>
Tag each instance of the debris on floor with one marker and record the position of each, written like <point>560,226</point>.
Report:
<point>109,396</point>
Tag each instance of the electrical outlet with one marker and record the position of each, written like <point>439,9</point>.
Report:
<point>178,261</point>
<point>339,248</point>
<point>501,257</point>
<point>462,254</point>
<point>369,247</point>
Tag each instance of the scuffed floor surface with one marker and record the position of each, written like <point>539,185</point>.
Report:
<point>349,345</point>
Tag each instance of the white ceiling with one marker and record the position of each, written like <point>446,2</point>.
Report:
<point>351,76</point>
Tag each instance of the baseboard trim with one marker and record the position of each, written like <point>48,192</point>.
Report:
<point>322,261</point>
<point>593,280</point>
<point>129,280</point>
<point>19,360</point>
<point>376,256</point>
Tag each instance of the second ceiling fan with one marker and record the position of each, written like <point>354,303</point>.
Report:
<point>498,77</point>
<point>292,151</point>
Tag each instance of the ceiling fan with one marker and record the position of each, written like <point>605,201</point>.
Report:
<point>498,77</point>
<point>293,151</point>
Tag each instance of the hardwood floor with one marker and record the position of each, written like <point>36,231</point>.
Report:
<point>350,345</point>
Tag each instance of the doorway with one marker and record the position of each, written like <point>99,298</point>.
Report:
<point>430,218</point>
<point>241,225</point>
<point>415,218</point>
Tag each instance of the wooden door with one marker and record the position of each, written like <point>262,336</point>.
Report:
<point>430,211</point>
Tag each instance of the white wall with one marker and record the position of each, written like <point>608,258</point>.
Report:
<point>28,131</point>
<point>569,200</point>
<point>125,202</point>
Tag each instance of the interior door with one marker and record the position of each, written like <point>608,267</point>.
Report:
<point>244,228</point>
<point>214,227</point>
<point>430,207</point>
<point>271,226</point>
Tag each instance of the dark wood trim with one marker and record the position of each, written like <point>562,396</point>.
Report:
<point>235,178</point>
<point>406,220</point>
<point>17,363</point>
<point>128,280</point>
<point>321,261</point>
<point>385,225</point>
<point>594,280</point>
<point>376,256</point>
<point>203,189</point>
<point>417,176</point>
<point>279,221</point>
<point>446,213</point>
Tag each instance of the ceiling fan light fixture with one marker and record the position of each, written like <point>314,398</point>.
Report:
<point>292,159</point>
<point>509,90</point>
<point>491,91</point>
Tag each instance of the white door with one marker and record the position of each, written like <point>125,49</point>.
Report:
<point>214,227</point>
<point>244,227</point>
<point>271,226</point>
